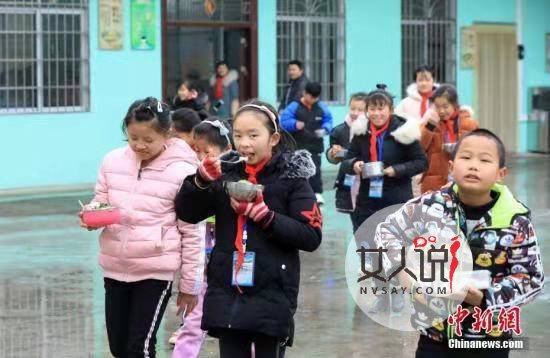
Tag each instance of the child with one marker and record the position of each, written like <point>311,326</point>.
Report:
<point>184,119</point>
<point>309,120</point>
<point>442,127</point>
<point>211,138</point>
<point>254,271</point>
<point>141,254</point>
<point>388,138</point>
<point>191,95</point>
<point>498,230</point>
<point>417,101</point>
<point>339,143</point>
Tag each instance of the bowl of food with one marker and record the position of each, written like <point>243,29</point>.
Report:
<point>373,169</point>
<point>100,214</point>
<point>242,190</point>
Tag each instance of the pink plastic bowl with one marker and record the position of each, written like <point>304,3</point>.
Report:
<point>100,218</point>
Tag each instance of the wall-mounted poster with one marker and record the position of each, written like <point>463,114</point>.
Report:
<point>143,24</point>
<point>111,24</point>
<point>467,47</point>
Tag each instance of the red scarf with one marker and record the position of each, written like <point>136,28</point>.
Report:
<point>424,103</point>
<point>218,90</point>
<point>374,134</point>
<point>450,127</point>
<point>252,171</point>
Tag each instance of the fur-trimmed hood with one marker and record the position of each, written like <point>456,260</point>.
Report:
<point>231,77</point>
<point>299,165</point>
<point>404,130</point>
<point>291,165</point>
<point>412,91</point>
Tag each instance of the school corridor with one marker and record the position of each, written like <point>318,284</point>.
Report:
<point>51,288</point>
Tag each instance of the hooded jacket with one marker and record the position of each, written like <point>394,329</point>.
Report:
<point>432,141</point>
<point>402,151</point>
<point>269,305</point>
<point>410,105</point>
<point>149,242</point>
<point>503,241</point>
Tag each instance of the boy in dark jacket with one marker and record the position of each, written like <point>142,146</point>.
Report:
<point>498,230</point>
<point>339,140</point>
<point>309,120</point>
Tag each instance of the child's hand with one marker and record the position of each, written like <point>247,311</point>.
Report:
<point>210,169</point>
<point>256,210</point>
<point>358,167</point>
<point>433,118</point>
<point>389,171</point>
<point>474,296</point>
<point>300,125</point>
<point>89,228</point>
<point>186,303</point>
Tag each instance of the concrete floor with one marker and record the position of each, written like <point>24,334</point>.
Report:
<point>51,290</point>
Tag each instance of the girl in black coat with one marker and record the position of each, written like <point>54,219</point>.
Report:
<point>254,270</point>
<point>339,144</point>
<point>392,140</point>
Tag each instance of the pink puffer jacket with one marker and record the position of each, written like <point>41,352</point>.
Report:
<point>149,242</point>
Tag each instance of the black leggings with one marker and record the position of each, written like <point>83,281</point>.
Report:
<point>238,344</point>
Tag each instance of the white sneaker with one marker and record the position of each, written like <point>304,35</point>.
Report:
<point>320,199</point>
<point>175,336</point>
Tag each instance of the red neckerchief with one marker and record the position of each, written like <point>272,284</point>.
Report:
<point>424,103</point>
<point>450,127</point>
<point>218,90</point>
<point>252,171</point>
<point>374,134</point>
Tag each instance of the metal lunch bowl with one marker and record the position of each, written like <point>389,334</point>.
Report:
<point>373,169</point>
<point>243,191</point>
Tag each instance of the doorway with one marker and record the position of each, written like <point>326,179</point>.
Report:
<point>497,81</point>
<point>194,40</point>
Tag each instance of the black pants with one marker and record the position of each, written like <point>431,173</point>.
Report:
<point>316,181</point>
<point>133,311</point>
<point>237,344</point>
<point>427,348</point>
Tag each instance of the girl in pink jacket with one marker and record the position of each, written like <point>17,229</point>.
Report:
<point>141,254</point>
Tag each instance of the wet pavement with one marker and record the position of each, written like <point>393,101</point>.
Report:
<point>51,288</point>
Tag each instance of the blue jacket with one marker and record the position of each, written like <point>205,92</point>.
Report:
<point>315,118</point>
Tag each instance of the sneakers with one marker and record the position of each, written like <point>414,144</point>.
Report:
<point>175,335</point>
<point>320,199</point>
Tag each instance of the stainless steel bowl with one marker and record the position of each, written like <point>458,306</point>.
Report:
<point>373,169</point>
<point>242,191</point>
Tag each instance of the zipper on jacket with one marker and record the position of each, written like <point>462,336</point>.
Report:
<point>139,173</point>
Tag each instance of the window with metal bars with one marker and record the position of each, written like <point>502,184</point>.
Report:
<point>312,31</point>
<point>428,29</point>
<point>44,56</point>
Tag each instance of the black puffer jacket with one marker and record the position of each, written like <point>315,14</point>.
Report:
<point>293,91</point>
<point>340,136</point>
<point>402,151</point>
<point>267,307</point>
<point>198,105</point>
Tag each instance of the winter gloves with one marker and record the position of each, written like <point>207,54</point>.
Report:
<point>257,210</point>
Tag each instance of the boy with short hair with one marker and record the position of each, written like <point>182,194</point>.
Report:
<point>309,120</point>
<point>497,228</point>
